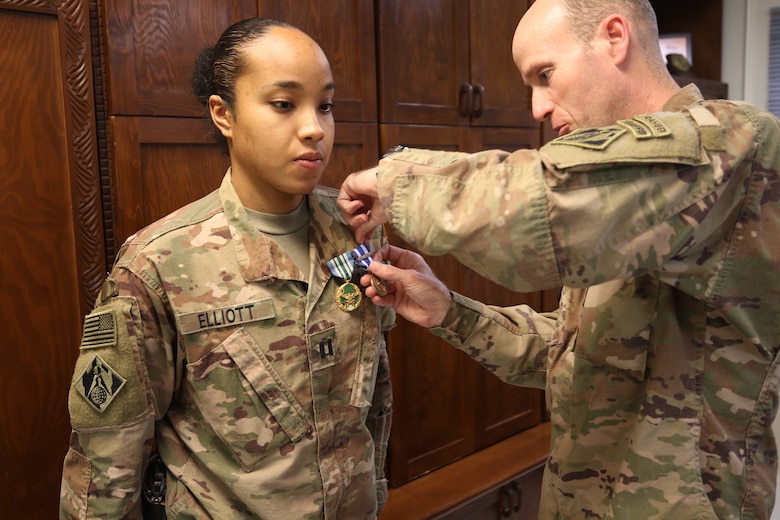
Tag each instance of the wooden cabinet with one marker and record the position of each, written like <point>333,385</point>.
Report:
<point>515,500</point>
<point>467,408</point>
<point>449,83</point>
<point>449,62</point>
<point>501,481</point>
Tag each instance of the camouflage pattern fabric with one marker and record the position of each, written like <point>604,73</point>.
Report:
<point>660,365</point>
<point>265,400</point>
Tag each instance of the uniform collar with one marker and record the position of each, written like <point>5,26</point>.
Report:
<point>686,96</point>
<point>260,258</point>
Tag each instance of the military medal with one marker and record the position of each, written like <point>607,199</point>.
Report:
<point>350,266</point>
<point>348,297</point>
<point>378,285</point>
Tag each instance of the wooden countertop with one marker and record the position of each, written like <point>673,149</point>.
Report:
<point>469,477</point>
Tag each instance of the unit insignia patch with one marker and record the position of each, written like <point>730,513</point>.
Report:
<point>99,384</point>
<point>591,138</point>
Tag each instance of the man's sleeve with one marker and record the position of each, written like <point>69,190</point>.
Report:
<point>511,342</point>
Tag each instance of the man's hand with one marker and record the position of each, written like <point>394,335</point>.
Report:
<point>413,290</point>
<point>359,203</point>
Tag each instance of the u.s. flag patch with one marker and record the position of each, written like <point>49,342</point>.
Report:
<point>99,330</point>
<point>99,384</point>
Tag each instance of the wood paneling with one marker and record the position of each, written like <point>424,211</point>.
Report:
<point>344,30</point>
<point>51,238</point>
<point>152,45</point>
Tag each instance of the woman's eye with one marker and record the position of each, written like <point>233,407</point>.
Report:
<point>326,107</point>
<point>282,105</point>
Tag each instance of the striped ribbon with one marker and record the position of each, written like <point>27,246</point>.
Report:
<point>343,265</point>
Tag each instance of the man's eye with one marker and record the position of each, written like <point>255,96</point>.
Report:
<point>544,76</point>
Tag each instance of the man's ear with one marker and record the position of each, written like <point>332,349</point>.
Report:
<point>221,115</point>
<point>615,29</point>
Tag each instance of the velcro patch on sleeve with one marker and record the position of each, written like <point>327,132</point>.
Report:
<point>669,138</point>
<point>108,388</point>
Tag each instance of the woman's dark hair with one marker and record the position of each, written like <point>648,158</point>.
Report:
<point>217,68</point>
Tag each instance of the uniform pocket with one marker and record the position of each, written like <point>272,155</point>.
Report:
<point>245,401</point>
<point>76,477</point>
<point>616,327</point>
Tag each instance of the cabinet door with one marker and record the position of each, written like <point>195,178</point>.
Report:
<point>424,60</point>
<point>432,410</point>
<point>160,164</point>
<point>449,62</point>
<point>345,31</point>
<point>152,46</point>
<point>501,96</point>
<point>356,148</point>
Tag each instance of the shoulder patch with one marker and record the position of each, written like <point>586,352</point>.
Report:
<point>98,383</point>
<point>656,126</point>
<point>646,126</point>
<point>591,138</point>
<point>99,330</point>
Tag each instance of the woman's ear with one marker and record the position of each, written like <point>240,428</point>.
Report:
<point>615,29</point>
<point>221,115</point>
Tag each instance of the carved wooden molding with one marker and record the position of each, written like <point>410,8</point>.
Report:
<point>79,92</point>
<point>38,6</point>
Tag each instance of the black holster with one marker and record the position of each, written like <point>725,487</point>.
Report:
<point>153,501</point>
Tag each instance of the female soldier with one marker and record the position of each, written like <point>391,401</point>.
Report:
<point>228,333</point>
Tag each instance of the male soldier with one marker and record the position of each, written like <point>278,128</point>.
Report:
<point>658,213</point>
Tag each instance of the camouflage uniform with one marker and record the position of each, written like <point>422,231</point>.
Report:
<point>269,401</point>
<point>660,365</point>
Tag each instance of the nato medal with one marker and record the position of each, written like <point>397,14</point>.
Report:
<point>348,297</point>
<point>378,285</point>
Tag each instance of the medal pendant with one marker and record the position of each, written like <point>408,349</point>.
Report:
<point>348,297</point>
<point>378,285</point>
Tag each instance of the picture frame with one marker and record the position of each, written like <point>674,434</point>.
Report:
<point>676,43</point>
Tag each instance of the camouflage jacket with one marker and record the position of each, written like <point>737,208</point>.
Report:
<point>265,400</point>
<point>660,364</point>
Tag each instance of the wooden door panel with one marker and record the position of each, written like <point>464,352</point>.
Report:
<point>152,46</point>
<point>51,237</point>
<point>345,31</point>
<point>500,409</point>
<point>356,148</point>
<point>505,98</point>
<point>160,164</point>
<point>423,60</point>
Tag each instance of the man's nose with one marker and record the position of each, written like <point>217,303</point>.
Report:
<point>541,106</point>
